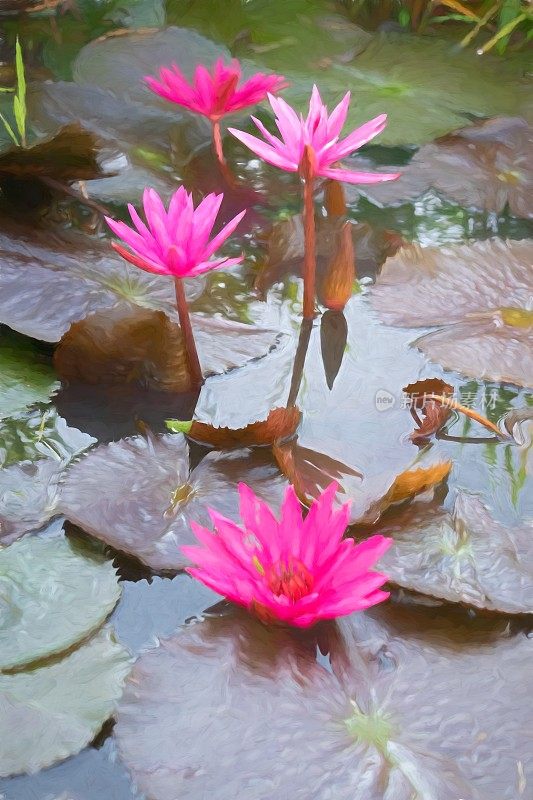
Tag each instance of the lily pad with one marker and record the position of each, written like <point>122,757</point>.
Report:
<point>26,377</point>
<point>34,451</point>
<point>49,280</point>
<point>309,733</point>
<point>140,496</point>
<point>489,349</point>
<point>58,708</point>
<point>496,154</point>
<point>426,88</point>
<point>283,36</point>
<point>53,593</point>
<point>464,557</point>
<point>481,292</point>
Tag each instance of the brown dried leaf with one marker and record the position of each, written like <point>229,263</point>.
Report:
<point>416,481</point>
<point>434,414</point>
<point>280,424</point>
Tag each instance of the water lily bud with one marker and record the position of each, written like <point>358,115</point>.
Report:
<point>337,285</point>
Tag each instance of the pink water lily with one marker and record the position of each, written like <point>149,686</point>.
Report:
<point>294,570</point>
<point>214,93</point>
<point>320,132</point>
<point>175,242</point>
<point>311,147</point>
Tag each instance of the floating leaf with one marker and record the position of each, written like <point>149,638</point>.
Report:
<point>423,286</point>
<point>352,734</point>
<point>58,708</point>
<point>483,287</point>
<point>464,557</point>
<point>26,377</point>
<point>280,423</point>
<point>140,496</point>
<point>34,451</point>
<point>488,350</point>
<point>54,592</point>
<point>495,154</point>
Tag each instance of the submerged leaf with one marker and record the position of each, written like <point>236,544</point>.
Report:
<point>140,496</point>
<point>53,593</point>
<point>58,708</point>
<point>26,377</point>
<point>34,451</point>
<point>463,557</point>
<point>311,734</point>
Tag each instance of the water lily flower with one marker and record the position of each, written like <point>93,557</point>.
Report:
<point>293,570</point>
<point>214,93</point>
<point>311,147</point>
<point>176,242</point>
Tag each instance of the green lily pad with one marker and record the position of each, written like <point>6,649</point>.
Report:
<point>53,593</point>
<point>398,718</point>
<point>284,36</point>
<point>26,376</point>
<point>481,292</point>
<point>426,88</point>
<point>139,495</point>
<point>52,712</point>
<point>464,557</point>
<point>35,448</point>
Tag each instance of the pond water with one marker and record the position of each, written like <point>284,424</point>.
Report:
<point>426,696</point>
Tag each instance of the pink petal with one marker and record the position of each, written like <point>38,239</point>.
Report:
<point>264,151</point>
<point>139,224</point>
<point>291,523</point>
<point>219,263</point>
<point>177,203</point>
<point>358,177</point>
<point>359,137</point>
<point>158,269</point>
<point>222,235</point>
<point>156,217</point>
<point>259,520</point>
<point>338,117</point>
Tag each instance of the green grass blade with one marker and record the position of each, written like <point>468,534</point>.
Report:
<point>9,129</point>
<point>19,103</point>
